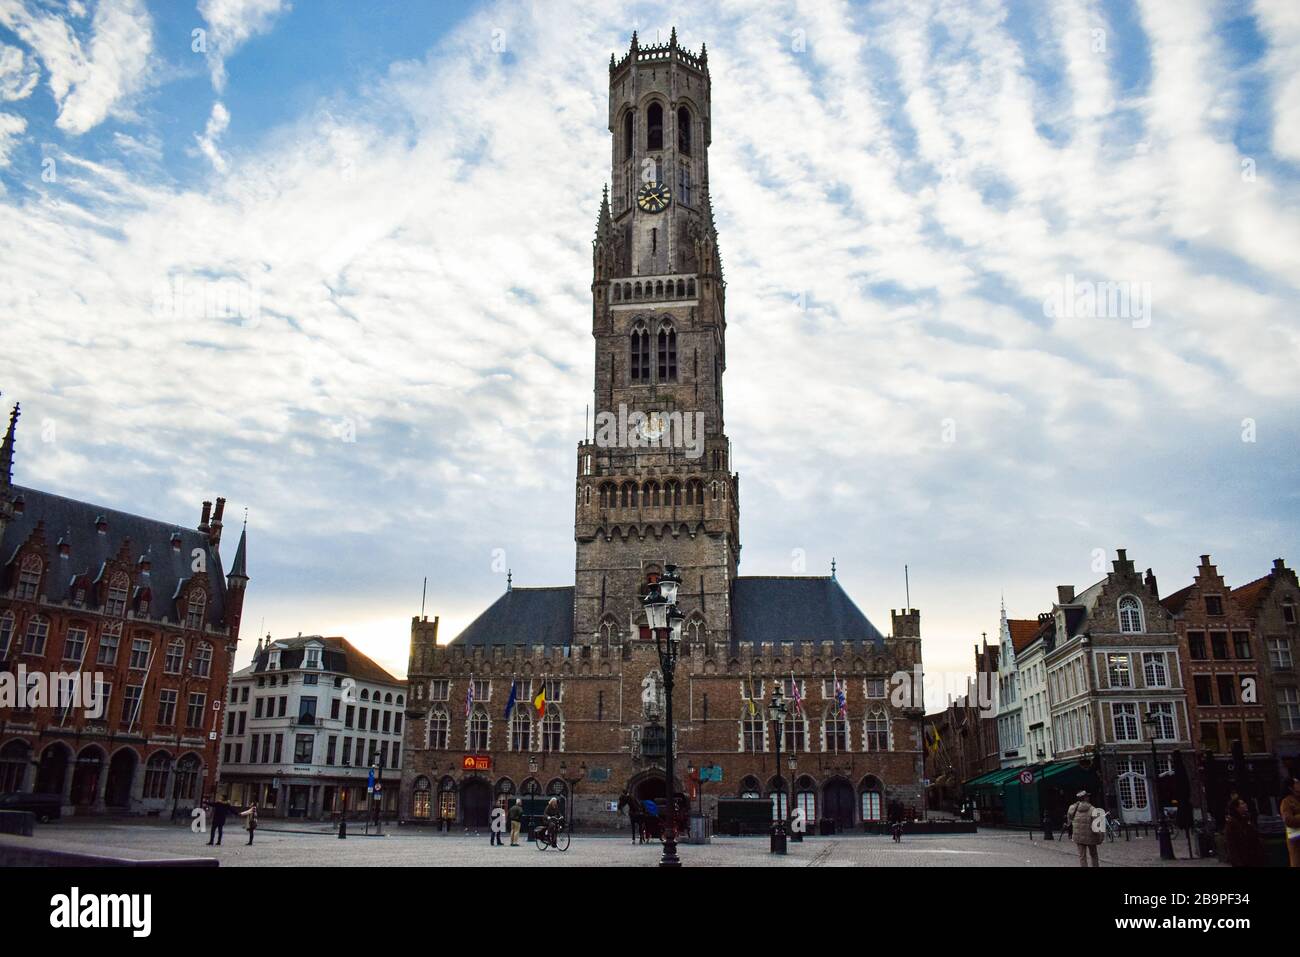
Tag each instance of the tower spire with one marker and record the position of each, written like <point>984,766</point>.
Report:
<point>7,449</point>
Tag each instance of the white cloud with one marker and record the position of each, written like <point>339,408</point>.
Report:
<point>230,24</point>
<point>89,80</point>
<point>11,128</point>
<point>218,122</point>
<point>18,74</point>
<point>1280,22</point>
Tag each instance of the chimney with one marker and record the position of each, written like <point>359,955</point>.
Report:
<point>1152,587</point>
<point>1064,594</point>
<point>214,529</point>
<point>207,512</point>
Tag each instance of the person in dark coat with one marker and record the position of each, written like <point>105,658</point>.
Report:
<point>1080,814</point>
<point>219,810</point>
<point>251,823</point>
<point>1244,846</point>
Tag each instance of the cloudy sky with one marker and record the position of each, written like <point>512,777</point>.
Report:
<point>335,267</point>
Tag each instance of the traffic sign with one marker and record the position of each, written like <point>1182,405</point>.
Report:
<point>1026,777</point>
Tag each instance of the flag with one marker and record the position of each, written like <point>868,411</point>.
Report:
<point>841,700</point>
<point>798,699</point>
<point>750,699</point>
<point>933,739</point>
<point>510,702</point>
<point>469,698</point>
<point>540,701</point>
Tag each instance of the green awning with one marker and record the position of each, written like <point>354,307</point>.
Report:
<point>992,779</point>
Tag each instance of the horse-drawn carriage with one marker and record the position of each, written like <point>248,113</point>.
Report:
<point>649,817</point>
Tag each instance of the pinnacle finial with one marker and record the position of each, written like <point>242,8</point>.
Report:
<point>7,447</point>
<point>832,569</point>
<point>635,44</point>
<point>510,579</point>
<point>672,38</point>
<point>704,53</point>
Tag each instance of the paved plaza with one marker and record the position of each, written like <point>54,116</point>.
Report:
<point>311,845</point>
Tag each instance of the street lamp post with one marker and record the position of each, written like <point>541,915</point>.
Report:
<point>792,762</point>
<point>1163,837</point>
<point>181,701</point>
<point>776,713</point>
<point>665,622</point>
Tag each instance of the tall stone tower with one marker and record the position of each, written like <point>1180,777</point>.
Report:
<point>654,484</point>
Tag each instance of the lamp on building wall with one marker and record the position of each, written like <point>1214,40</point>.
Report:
<point>665,621</point>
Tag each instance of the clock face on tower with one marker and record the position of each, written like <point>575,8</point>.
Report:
<point>653,197</point>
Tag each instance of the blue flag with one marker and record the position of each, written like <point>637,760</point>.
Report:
<point>510,703</point>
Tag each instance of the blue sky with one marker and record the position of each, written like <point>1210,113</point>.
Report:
<point>401,202</point>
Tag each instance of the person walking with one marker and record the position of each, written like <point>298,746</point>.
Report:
<point>1244,846</point>
<point>219,810</point>
<point>1084,820</point>
<point>251,822</point>
<point>516,818</point>
<point>1291,818</point>
<point>495,835</point>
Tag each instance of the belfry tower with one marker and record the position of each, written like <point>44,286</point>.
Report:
<point>654,483</point>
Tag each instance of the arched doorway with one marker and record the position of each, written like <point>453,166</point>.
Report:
<point>53,770</point>
<point>873,800</point>
<point>121,776</point>
<point>14,758</point>
<point>85,776</point>
<point>475,802</point>
<point>837,803</point>
<point>652,787</point>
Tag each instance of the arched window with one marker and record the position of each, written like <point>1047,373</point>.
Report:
<point>835,732</point>
<point>365,694</point>
<point>438,723</point>
<point>521,730</point>
<point>421,805</point>
<point>203,660</point>
<point>805,798</point>
<point>694,492</point>
<point>779,795</point>
<point>684,130</point>
<point>872,800</point>
<point>667,353</point>
<point>750,788</point>
<point>478,731</point>
<point>650,494</point>
<point>1130,615</point>
<point>694,630</point>
<point>654,127</point>
<point>796,733</point>
<point>629,495</point>
<point>38,629</point>
<point>751,732</point>
<point>115,604</point>
<point>187,777</point>
<point>640,360</point>
<point>6,635</point>
<point>629,125</point>
<point>531,787</point>
<point>876,731</point>
<point>175,657</point>
<point>194,613</point>
<point>155,774</point>
<point>553,730</point>
<point>608,495</point>
<point>608,631</point>
<point>29,578</point>
<point>14,759</point>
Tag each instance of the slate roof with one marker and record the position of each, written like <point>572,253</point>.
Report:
<point>763,609</point>
<point>339,656</point>
<point>524,616</point>
<point>786,608</point>
<point>1248,596</point>
<point>1174,602</point>
<point>74,522</point>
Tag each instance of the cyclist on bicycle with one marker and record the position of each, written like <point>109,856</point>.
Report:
<point>553,819</point>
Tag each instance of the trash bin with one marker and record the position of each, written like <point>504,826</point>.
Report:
<point>701,830</point>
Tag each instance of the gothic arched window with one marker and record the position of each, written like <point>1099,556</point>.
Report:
<point>552,730</point>
<point>627,134</point>
<point>115,606</point>
<point>876,732</point>
<point>667,353</point>
<point>437,729</point>
<point>654,127</point>
<point>683,130</point>
<point>478,731</point>
<point>640,354</point>
<point>29,578</point>
<point>521,731</point>
<point>194,613</point>
<point>1130,615</point>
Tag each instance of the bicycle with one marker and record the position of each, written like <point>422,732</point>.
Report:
<point>548,835</point>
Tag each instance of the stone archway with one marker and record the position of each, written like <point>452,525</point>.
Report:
<point>837,803</point>
<point>475,802</point>
<point>15,757</point>
<point>121,779</point>
<point>52,772</point>
<point>86,774</point>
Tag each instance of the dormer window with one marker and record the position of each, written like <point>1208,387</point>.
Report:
<point>29,578</point>
<point>194,612</point>
<point>115,603</point>
<point>273,660</point>
<point>311,658</point>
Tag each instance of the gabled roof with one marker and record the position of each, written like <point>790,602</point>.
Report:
<point>523,616</point>
<point>1249,596</point>
<point>1174,603</point>
<point>74,522</point>
<point>337,655</point>
<point>1022,631</point>
<point>786,608</point>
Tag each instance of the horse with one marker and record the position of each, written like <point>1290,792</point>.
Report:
<point>639,820</point>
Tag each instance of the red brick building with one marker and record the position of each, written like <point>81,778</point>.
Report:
<point>135,607</point>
